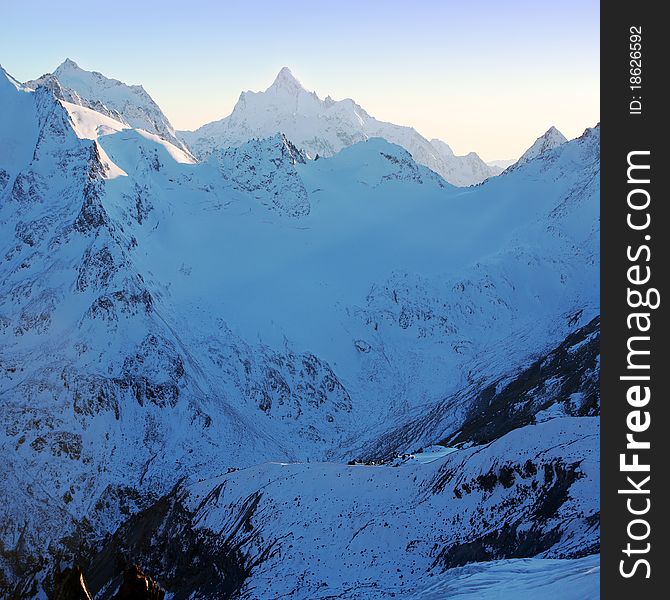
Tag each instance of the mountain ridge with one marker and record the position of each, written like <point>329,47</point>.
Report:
<point>324,127</point>
<point>168,325</point>
<point>130,104</point>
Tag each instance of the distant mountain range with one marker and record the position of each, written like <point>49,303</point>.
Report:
<point>318,127</point>
<point>324,127</point>
<point>260,374</point>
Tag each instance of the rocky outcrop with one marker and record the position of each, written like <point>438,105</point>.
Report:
<point>137,586</point>
<point>70,585</point>
<point>561,382</point>
<point>164,540</point>
<point>266,170</point>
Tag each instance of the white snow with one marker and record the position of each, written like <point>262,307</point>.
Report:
<point>550,139</point>
<point>90,124</point>
<point>373,531</point>
<point>324,127</point>
<point>129,103</point>
<point>17,124</point>
<point>432,453</point>
<point>162,318</point>
<point>518,579</point>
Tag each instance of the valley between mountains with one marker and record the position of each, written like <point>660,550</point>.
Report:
<point>296,353</point>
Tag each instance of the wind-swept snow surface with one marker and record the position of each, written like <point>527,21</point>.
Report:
<point>520,579</point>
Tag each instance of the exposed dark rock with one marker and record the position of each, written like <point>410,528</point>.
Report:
<point>573,370</point>
<point>184,561</point>
<point>4,179</point>
<point>266,168</point>
<point>408,170</point>
<point>27,188</point>
<point>506,542</point>
<point>567,376</point>
<point>546,485</point>
<point>293,381</point>
<point>33,232</point>
<point>70,585</point>
<point>92,214</point>
<point>137,586</point>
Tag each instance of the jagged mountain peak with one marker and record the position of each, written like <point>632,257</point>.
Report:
<point>324,127</point>
<point>68,63</point>
<point>130,104</point>
<point>554,131</point>
<point>550,139</point>
<point>88,83</point>
<point>285,80</point>
<point>213,316</point>
<point>553,137</point>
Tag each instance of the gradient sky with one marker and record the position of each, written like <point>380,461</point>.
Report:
<point>481,75</point>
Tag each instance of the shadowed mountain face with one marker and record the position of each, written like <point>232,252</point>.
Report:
<point>70,584</point>
<point>191,352</point>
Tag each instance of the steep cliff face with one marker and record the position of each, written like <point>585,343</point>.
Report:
<point>164,321</point>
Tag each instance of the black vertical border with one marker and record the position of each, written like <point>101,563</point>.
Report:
<point>622,133</point>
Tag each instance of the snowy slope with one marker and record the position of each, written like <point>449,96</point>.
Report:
<point>501,164</point>
<point>18,124</point>
<point>521,579</point>
<point>130,104</point>
<point>324,127</point>
<point>330,530</point>
<point>164,319</point>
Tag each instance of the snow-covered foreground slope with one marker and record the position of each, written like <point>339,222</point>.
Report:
<point>522,579</point>
<point>340,531</point>
<point>324,127</point>
<point>162,319</point>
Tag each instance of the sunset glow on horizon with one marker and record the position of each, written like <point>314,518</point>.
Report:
<point>483,76</point>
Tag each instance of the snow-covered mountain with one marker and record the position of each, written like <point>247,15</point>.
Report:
<point>323,128</point>
<point>170,329</point>
<point>498,166</point>
<point>328,530</point>
<point>550,139</point>
<point>501,164</point>
<point>461,170</point>
<point>130,104</point>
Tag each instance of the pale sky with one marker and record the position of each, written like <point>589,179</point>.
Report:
<point>480,75</point>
